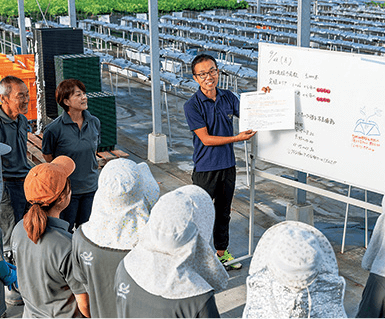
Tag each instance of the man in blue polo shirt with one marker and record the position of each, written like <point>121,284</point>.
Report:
<point>209,113</point>
<point>14,96</point>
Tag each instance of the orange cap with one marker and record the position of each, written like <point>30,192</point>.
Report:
<point>45,182</point>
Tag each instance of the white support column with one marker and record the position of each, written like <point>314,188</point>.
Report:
<point>258,6</point>
<point>72,13</point>
<point>303,26</point>
<point>23,34</point>
<point>300,210</point>
<point>157,142</point>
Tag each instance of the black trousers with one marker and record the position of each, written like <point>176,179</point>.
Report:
<point>372,304</point>
<point>220,185</point>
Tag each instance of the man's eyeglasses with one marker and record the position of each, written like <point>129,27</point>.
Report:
<point>203,75</point>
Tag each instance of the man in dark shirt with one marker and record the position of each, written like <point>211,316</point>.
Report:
<point>209,113</point>
<point>14,96</point>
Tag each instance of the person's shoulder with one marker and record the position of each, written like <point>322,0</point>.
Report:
<point>19,227</point>
<point>77,234</point>
<point>59,238</point>
<point>192,101</point>
<point>192,98</point>
<point>229,96</point>
<point>91,117</point>
<point>96,120</point>
<point>227,93</point>
<point>78,239</point>
<point>18,232</point>
<point>54,124</point>
<point>23,118</point>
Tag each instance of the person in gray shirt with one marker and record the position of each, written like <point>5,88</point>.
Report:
<point>173,271</point>
<point>76,134</point>
<point>42,245</point>
<point>7,271</point>
<point>14,96</point>
<point>125,194</point>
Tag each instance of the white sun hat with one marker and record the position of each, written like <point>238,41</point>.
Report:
<point>126,193</point>
<point>294,273</point>
<point>173,258</point>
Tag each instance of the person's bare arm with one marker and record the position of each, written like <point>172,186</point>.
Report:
<point>83,304</point>
<point>48,158</point>
<point>211,140</point>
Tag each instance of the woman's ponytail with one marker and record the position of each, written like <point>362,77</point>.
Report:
<point>35,222</point>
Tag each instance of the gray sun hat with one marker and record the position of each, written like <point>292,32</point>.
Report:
<point>4,149</point>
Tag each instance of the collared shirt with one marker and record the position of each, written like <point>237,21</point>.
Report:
<point>95,268</point>
<point>132,301</point>
<point>63,137</point>
<point>45,272</point>
<point>14,133</point>
<point>217,116</point>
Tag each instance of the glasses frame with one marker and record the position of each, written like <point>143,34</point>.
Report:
<point>204,75</point>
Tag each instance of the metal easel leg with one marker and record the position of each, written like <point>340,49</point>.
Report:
<point>247,164</point>
<point>116,83</point>
<point>346,222</point>
<point>366,221</point>
<point>112,87</point>
<point>252,199</point>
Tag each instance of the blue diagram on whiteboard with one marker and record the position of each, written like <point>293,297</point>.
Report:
<point>366,126</point>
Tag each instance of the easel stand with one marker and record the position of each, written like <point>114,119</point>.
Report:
<point>292,212</point>
<point>306,187</point>
<point>346,221</point>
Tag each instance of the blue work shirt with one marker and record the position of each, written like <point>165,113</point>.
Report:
<point>217,117</point>
<point>63,137</point>
<point>14,134</point>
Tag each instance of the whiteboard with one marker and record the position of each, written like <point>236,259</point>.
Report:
<point>340,114</point>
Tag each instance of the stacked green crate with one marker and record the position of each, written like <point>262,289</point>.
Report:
<point>84,67</point>
<point>102,105</point>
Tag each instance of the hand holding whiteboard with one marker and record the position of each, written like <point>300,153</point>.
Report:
<point>261,111</point>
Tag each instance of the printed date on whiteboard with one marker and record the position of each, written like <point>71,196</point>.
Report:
<point>261,111</point>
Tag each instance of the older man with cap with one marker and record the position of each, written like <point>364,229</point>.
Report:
<point>14,96</point>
